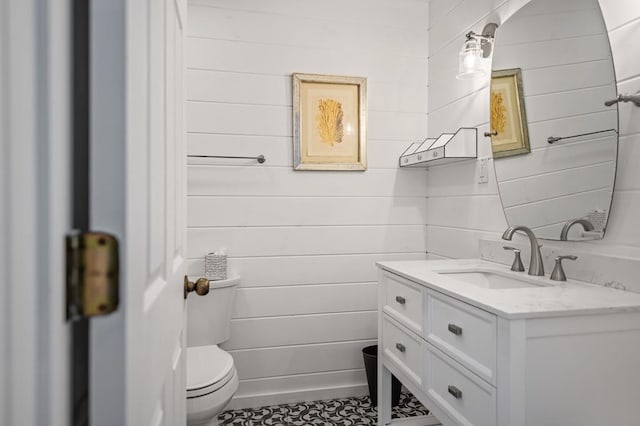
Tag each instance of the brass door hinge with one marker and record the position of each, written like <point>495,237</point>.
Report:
<point>92,274</point>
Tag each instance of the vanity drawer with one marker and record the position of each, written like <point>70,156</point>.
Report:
<point>464,332</point>
<point>460,393</point>
<point>404,302</point>
<point>403,349</point>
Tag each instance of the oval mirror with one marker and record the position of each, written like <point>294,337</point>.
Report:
<point>554,141</point>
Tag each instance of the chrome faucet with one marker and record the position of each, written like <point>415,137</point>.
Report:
<point>588,226</point>
<point>536,266</point>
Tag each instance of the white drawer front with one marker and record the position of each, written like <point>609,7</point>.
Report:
<point>403,349</point>
<point>466,333</point>
<point>404,302</point>
<point>462,395</point>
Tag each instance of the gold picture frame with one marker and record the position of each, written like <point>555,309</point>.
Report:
<point>329,122</point>
<point>509,131</point>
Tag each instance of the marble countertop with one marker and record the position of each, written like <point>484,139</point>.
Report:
<point>550,299</point>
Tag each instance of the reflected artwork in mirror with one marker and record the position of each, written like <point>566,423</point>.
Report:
<point>561,49</point>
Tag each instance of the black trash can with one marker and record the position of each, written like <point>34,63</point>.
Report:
<point>370,354</point>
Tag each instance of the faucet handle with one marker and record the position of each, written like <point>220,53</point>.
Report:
<point>517,261</point>
<point>558,272</point>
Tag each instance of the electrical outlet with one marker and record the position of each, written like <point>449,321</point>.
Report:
<point>483,170</point>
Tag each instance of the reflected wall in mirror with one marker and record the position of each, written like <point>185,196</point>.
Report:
<point>562,49</point>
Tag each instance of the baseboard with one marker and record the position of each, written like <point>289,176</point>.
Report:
<point>293,396</point>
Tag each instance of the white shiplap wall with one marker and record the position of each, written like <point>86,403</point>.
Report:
<point>304,243</point>
<point>460,211</point>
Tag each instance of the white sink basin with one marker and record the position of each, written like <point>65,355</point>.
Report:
<point>492,279</point>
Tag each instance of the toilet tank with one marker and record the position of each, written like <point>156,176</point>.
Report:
<point>209,316</point>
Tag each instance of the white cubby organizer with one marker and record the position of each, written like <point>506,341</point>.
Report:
<point>448,147</point>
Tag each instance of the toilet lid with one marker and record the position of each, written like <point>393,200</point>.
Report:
<point>206,366</point>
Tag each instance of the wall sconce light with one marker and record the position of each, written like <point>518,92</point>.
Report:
<point>476,48</point>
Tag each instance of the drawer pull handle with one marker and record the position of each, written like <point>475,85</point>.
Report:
<point>401,347</point>
<point>457,393</point>
<point>455,329</point>
<point>401,300</point>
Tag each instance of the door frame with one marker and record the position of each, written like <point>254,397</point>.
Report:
<point>35,210</point>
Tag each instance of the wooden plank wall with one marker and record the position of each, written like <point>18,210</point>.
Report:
<point>304,243</point>
<point>460,211</point>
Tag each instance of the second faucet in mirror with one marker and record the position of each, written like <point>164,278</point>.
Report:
<point>586,224</point>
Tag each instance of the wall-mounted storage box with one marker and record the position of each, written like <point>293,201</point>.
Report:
<point>449,147</point>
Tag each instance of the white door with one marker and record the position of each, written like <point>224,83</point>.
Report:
<point>137,192</point>
<point>35,210</point>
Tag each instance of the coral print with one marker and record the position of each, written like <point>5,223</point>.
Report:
<point>329,118</point>
<point>329,122</point>
<point>498,113</point>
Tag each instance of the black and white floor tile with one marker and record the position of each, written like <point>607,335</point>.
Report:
<point>335,412</point>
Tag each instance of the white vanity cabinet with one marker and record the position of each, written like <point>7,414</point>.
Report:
<point>472,364</point>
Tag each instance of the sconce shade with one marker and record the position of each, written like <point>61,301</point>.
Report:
<point>476,48</point>
<point>470,62</point>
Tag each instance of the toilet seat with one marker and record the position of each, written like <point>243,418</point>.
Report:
<point>208,369</point>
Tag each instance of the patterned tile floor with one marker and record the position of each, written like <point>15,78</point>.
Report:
<point>335,412</point>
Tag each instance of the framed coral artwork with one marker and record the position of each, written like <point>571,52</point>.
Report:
<point>329,122</point>
<point>509,132</point>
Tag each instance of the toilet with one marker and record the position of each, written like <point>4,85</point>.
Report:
<point>212,379</point>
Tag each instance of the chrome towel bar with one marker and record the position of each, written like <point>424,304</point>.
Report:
<point>260,158</point>
<point>552,139</point>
